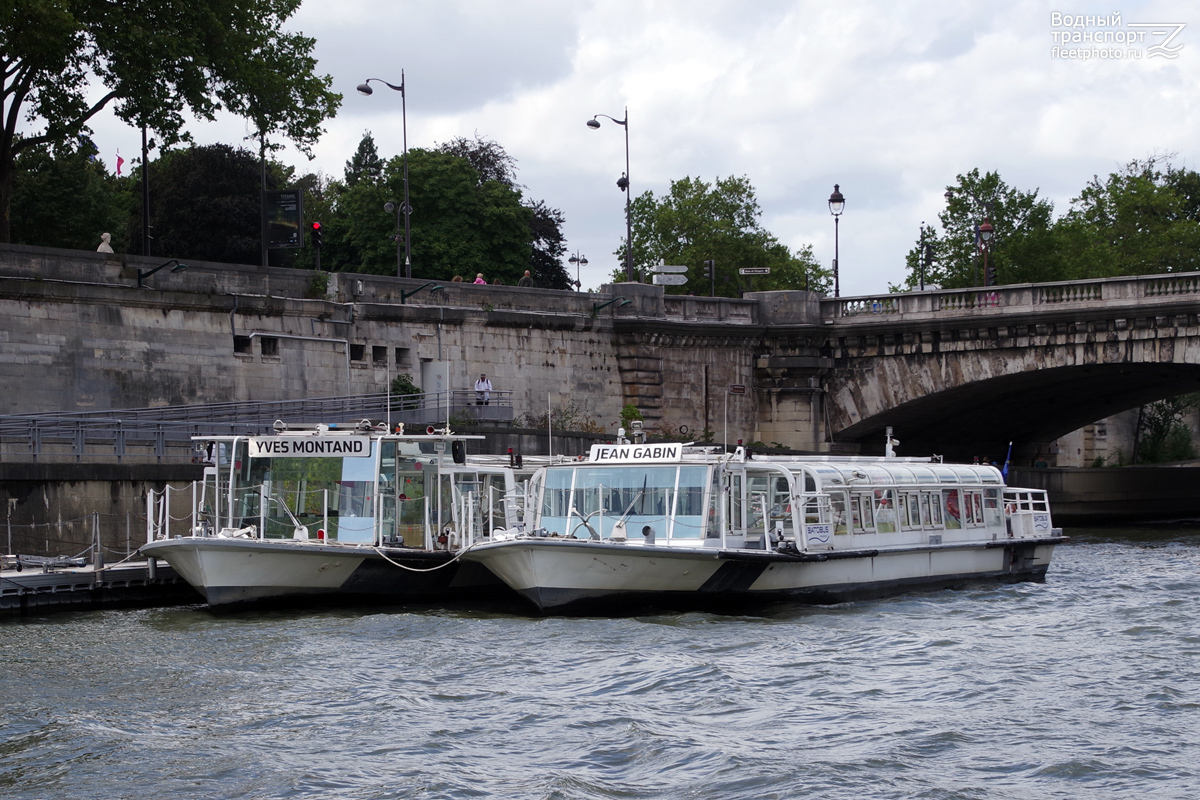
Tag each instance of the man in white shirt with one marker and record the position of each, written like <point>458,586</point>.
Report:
<point>483,390</point>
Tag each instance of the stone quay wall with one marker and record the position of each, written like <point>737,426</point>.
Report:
<point>79,334</point>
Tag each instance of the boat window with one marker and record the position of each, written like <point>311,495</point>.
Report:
<point>862,509</point>
<point>968,508</point>
<point>909,510</point>
<point>306,488</point>
<point>781,502</point>
<point>950,501</point>
<point>356,512</point>
<point>412,489</point>
<point>885,511</point>
<point>713,530</point>
<point>689,504</point>
<point>931,510</point>
<point>992,515</point>
<point>556,499</point>
<point>737,521</point>
<point>758,496</point>
<point>837,502</point>
<point>586,502</point>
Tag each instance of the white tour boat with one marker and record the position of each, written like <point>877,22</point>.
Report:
<point>329,512</point>
<point>677,524</point>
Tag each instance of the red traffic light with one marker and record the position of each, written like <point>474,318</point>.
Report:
<point>316,234</point>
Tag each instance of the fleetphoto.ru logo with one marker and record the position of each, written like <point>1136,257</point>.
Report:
<point>1107,37</point>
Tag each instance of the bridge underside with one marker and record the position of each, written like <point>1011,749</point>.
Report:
<point>1028,408</point>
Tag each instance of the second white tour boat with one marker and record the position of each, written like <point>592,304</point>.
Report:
<point>672,523</point>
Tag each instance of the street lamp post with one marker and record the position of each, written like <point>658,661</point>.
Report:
<point>837,204</point>
<point>405,209</point>
<point>925,258</point>
<point>578,261</point>
<point>623,184</point>
<point>983,233</point>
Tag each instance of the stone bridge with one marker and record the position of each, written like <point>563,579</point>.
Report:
<point>954,372</point>
<point>1021,363</point>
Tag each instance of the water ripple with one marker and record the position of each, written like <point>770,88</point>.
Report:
<point>1085,686</point>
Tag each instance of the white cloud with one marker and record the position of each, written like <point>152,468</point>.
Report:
<point>891,101</point>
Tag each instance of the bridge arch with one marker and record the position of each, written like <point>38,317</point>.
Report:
<point>977,385</point>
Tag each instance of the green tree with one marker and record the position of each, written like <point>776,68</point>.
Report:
<point>460,225</point>
<point>493,163</point>
<point>1024,247</point>
<point>64,197</point>
<point>155,59</point>
<point>366,163</point>
<point>697,221</point>
<point>549,246</point>
<point>205,204</point>
<point>1162,434</point>
<point>1142,220</point>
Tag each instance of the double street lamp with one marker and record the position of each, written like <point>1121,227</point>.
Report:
<point>837,204</point>
<point>578,261</point>
<point>623,184</point>
<point>405,209</point>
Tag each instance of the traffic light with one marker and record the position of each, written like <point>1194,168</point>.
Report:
<point>710,272</point>
<point>316,234</point>
<point>708,269</point>
<point>989,279</point>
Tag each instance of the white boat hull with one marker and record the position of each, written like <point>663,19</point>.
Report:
<point>232,572</point>
<point>559,574</point>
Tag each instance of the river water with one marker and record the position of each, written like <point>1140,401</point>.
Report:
<point>1086,686</point>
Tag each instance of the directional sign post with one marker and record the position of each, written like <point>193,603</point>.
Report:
<point>669,280</point>
<point>669,268</point>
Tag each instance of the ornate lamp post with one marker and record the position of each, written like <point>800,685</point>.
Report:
<point>578,261</point>
<point>984,231</point>
<point>985,235</point>
<point>623,184</point>
<point>925,258</point>
<point>405,209</point>
<point>837,204</point>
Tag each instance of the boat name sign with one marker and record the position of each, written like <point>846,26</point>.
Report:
<point>633,453</point>
<point>310,446</point>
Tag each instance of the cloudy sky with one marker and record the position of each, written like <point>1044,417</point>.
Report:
<point>889,100</point>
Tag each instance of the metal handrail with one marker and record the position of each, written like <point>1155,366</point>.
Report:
<point>70,433</point>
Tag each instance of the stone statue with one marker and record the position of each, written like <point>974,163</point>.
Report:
<point>105,247</point>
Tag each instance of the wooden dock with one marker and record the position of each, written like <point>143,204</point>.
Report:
<point>41,588</point>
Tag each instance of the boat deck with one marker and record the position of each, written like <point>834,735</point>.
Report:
<point>39,589</point>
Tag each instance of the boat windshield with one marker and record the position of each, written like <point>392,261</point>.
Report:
<point>335,492</point>
<point>652,501</point>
